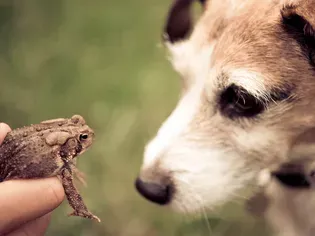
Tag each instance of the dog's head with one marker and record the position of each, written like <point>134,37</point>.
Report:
<point>248,80</point>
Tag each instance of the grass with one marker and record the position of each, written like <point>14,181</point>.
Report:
<point>103,60</point>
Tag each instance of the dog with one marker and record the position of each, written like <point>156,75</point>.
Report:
<point>247,70</point>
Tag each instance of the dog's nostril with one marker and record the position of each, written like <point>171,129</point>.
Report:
<point>157,193</point>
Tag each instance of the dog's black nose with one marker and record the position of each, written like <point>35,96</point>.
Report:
<point>157,193</point>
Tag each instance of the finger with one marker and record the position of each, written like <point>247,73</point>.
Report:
<point>25,200</point>
<point>35,227</point>
<point>4,129</point>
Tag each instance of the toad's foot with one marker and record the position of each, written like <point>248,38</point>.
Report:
<point>85,214</point>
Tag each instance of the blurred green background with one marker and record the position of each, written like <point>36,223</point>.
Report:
<point>103,60</point>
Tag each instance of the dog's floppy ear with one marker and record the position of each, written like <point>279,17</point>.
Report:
<point>299,21</point>
<point>178,24</point>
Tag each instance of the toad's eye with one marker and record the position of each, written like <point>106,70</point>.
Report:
<point>237,102</point>
<point>84,137</point>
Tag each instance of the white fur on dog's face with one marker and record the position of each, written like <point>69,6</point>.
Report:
<point>201,151</point>
<point>206,155</point>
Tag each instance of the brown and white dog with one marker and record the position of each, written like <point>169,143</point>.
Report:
<point>248,84</point>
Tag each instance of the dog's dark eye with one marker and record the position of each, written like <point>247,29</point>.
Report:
<point>83,137</point>
<point>237,102</point>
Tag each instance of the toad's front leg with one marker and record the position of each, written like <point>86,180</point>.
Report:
<point>74,198</point>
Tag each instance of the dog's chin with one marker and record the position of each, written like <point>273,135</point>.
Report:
<point>199,196</point>
<point>195,206</point>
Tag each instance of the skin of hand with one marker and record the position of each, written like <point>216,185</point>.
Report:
<point>26,205</point>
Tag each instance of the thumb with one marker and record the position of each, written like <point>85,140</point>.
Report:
<point>4,129</point>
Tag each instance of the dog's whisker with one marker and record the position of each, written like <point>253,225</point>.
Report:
<point>239,196</point>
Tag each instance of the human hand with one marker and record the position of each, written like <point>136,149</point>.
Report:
<point>26,205</point>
